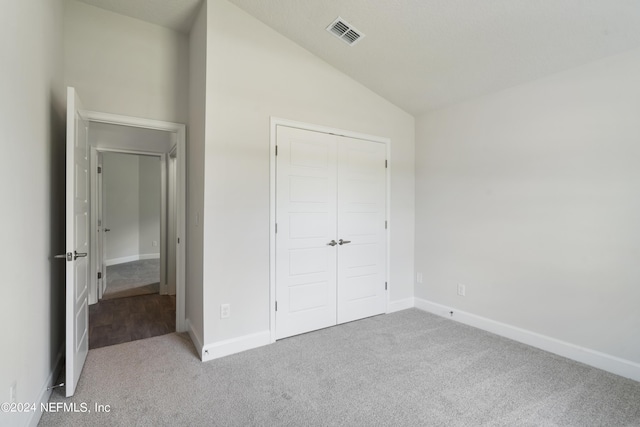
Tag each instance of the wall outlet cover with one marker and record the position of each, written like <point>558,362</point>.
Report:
<point>462,290</point>
<point>225,311</point>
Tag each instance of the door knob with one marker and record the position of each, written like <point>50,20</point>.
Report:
<point>68,256</point>
<point>332,243</point>
<point>343,242</point>
<point>71,256</point>
<point>107,229</point>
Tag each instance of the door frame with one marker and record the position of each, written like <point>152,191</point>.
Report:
<point>274,123</point>
<point>180,133</point>
<point>97,238</point>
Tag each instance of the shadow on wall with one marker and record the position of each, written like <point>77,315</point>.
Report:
<point>57,206</point>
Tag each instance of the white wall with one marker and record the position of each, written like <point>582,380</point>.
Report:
<point>149,188</point>
<point>254,73</point>
<point>195,175</point>
<point>120,181</point>
<point>132,206</point>
<point>32,189</point>
<point>125,66</point>
<point>530,197</point>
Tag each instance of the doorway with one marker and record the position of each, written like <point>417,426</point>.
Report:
<point>130,224</point>
<point>132,246</point>
<point>137,277</point>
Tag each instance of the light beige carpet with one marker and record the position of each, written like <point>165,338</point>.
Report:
<point>408,368</point>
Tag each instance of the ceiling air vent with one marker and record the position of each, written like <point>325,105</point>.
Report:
<point>345,31</point>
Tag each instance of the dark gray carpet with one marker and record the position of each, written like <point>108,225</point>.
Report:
<point>404,369</point>
<point>140,276</point>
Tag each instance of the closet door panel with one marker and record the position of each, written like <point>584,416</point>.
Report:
<point>306,216</point>
<point>361,222</point>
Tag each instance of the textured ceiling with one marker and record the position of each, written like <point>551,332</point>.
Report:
<point>424,54</point>
<point>175,14</point>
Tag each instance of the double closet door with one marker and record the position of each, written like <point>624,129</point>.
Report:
<point>331,230</point>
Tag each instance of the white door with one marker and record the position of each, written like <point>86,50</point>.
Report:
<point>77,242</point>
<point>331,238</point>
<point>361,229</point>
<point>306,209</point>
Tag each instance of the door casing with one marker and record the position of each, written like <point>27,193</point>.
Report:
<point>274,123</point>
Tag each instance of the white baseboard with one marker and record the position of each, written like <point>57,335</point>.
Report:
<point>45,393</point>
<point>606,362</point>
<point>235,345</point>
<point>195,338</point>
<point>131,258</point>
<point>401,304</point>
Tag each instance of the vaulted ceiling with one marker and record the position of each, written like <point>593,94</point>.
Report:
<point>425,54</point>
<point>175,14</point>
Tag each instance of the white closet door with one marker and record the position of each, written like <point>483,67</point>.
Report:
<point>361,222</point>
<point>306,210</point>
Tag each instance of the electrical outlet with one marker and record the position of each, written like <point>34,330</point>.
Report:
<point>154,243</point>
<point>462,290</point>
<point>12,392</point>
<point>225,311</point>
<point>419,277</point>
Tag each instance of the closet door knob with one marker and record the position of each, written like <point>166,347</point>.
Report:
<point>343,242</point>
<point>332,243</point>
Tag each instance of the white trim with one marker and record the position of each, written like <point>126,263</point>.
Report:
<point>388,221</point>
<point>164,238</point>
<point>274,123</point>
<point>122,260</point>
<point>196,339</point>
<point>181,227</point>
<point>137,122</point>
<point>606,362</point>
<point>181,185</point>
<point>158,154</point>
<point>45,392</point>
<point>272,231</point>
<point>235,345</point>
<point>400,305</point>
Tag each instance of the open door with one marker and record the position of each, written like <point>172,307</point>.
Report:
<point>77,242</point>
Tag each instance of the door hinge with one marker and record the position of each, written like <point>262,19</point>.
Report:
<point>276,305</point>
<point>99,274</point>
<point>385,224</point>
<point>386,164</point>
<point>178,240</point>
<point>99,169</point>
<point>276,228</point>
<point>385,286</point>
<point>276,150</point>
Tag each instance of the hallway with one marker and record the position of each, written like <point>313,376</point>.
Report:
<point>121,320</point>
